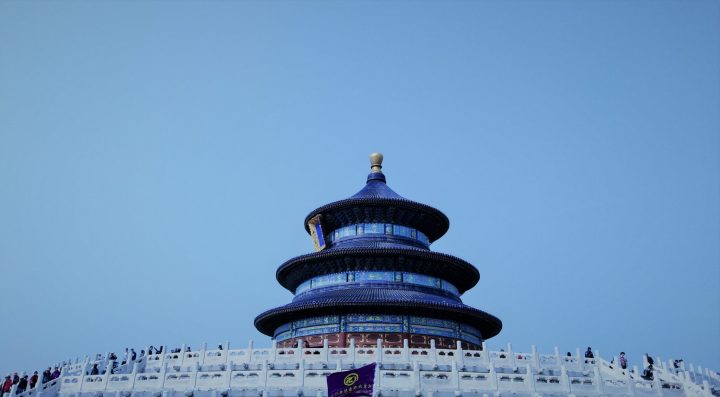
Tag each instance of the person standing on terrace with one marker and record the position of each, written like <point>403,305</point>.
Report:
<point>622,360</point>
<point>22,384</point>
<point>6,386</point>
<point>47,374</point>
<point>33,380</point>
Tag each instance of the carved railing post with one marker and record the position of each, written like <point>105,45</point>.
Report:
<point>531,379</point>
<point>564,378</point>
<point>557,356</point>
<point>379,352</point>
<point>351,351</point>
<point>459,353</point>
<point>299,348</point>
<point>493,378</point>
<point>325,351</point>
<point>600,383</point>
<point>433,351</point>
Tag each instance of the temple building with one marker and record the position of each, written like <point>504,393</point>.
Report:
<point>374,277</point>
<point>372,293</point>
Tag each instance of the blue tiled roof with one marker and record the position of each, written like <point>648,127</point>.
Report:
<point>377,202</point>
<point>455,270</point>
<point>377,188</point>
<point>376,243</point>
<point>378,300</point>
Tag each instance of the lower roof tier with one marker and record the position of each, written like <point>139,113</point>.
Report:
<point>378,300</point>
<point>295,271</point>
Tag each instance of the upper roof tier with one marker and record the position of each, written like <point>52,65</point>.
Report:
<point>376,203</point>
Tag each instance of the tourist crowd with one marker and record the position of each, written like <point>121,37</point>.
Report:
<point>24,382</point>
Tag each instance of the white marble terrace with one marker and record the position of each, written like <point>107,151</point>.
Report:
<point>402,372</point>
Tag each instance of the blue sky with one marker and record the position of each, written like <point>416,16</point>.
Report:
<point>157,160</point>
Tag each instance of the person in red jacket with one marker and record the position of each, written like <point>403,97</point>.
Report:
<point>33,380</point>
<point>7,385</point>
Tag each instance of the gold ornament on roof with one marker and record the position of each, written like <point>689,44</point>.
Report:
<point>376,160</point>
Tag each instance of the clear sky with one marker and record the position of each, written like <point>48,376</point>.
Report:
<point>157,160</point>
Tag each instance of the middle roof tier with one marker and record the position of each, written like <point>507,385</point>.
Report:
<point>459,273</point>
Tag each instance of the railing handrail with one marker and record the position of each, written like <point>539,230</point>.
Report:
<point>481,369</point>
<point>500,369</point>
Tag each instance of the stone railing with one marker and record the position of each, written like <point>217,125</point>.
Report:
<point>442,372</point>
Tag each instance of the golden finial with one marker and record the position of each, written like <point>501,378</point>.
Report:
<point>376,160</point>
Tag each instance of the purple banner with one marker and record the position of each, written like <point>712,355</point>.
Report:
<point>355,383</point>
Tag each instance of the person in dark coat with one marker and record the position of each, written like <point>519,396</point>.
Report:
<point>46,376</point>
<point>648,373</point>
<point>589,353</point>
<point>22,385</point>
<point>676,364</point>
<point>649,359</point>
